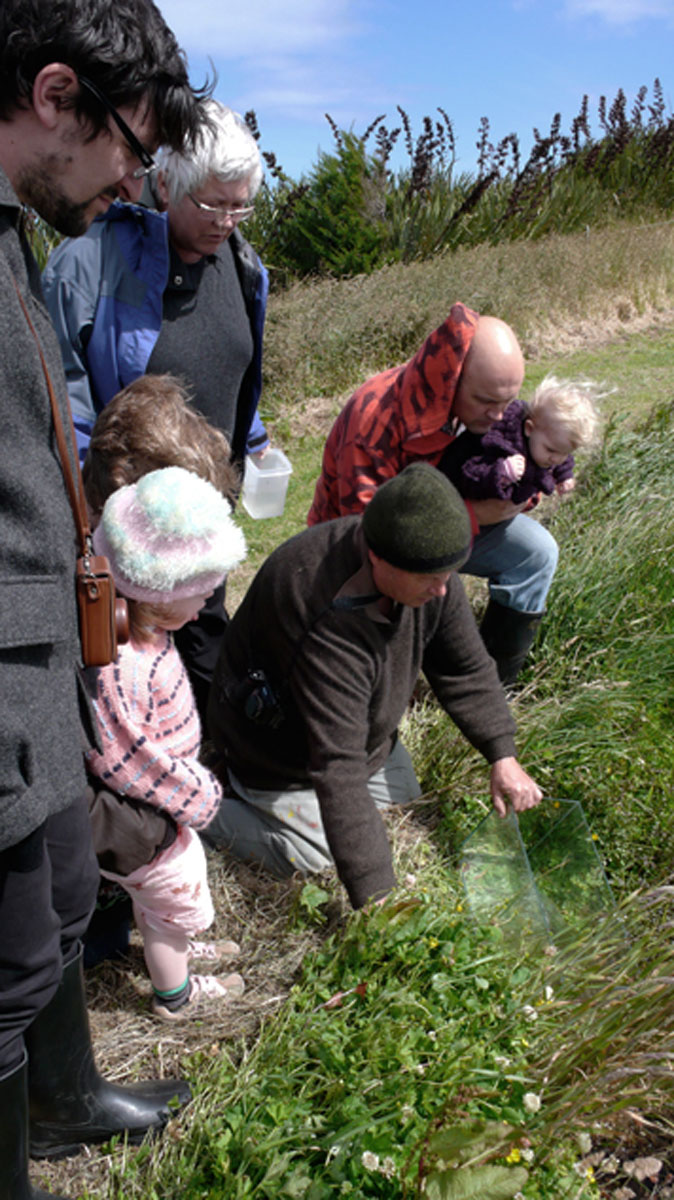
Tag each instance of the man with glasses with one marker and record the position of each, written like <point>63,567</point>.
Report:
<point>88,90</point>
<point>177,291</point>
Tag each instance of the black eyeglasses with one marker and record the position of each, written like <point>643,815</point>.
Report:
<point>137,148</point>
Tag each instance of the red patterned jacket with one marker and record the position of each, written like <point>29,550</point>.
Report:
<point>398,417</point>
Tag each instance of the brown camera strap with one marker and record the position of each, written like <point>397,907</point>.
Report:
<point>73,482</point>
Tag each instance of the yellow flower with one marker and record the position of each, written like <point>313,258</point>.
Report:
<point>433,942</point>
<point>514,1156</point>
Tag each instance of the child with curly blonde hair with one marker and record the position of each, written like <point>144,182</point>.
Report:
<point>530,449</point>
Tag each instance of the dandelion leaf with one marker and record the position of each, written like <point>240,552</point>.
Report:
<point>468,1140</point>
<point>312,896</point>
<point>476,1183</point>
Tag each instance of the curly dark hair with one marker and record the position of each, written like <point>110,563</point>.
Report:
<point>124,46</point>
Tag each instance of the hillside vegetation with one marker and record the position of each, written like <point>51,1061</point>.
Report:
<point>564,292</point>
<point>354,212</point>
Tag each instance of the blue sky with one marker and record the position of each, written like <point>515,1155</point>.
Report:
<point>517,62</point>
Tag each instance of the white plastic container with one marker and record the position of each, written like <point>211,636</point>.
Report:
<point>265,483</point>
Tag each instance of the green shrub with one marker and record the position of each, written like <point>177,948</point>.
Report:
<point>354,213</point>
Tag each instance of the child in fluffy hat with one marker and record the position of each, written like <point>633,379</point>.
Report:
<point>171,540</point>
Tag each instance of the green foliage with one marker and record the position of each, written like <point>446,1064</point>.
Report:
<point>354,213</point>
<point>419,1055</point>
<point>476,1183</point>
<point>399,1019</point>
<point>43,239</point>
<point>335,228</point>
<point>311,901</point>
<point>468,1141</point>
<point>457,1173</point>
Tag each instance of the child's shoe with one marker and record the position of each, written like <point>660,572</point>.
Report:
<point>202,989</point>
<point>212,952</point>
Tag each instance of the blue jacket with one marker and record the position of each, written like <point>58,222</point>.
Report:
<point>104,294</point>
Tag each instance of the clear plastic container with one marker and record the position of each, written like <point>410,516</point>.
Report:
<point>265,483</point>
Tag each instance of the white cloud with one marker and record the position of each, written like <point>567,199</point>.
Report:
<point>300,86</point>
<point>294,56</point>
<point>252,28</point>
<point>620,12</point>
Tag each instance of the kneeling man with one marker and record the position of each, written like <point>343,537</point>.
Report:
<point>317,668</point>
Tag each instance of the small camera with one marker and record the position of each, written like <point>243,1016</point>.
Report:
<point>258,701</point>
<point>103,616</point>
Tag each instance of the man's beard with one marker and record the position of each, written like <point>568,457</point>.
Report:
<point>37,187</point>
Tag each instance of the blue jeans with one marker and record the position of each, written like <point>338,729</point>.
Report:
<point>519,558</point>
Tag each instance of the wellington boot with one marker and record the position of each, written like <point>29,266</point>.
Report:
<point>70,1103</point>
<point>14,1181</point>
<point>508,636</point>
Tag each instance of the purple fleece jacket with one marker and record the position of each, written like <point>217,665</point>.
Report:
<point>476,465</point>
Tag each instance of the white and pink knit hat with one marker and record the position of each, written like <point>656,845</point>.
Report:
<point>168,536</point>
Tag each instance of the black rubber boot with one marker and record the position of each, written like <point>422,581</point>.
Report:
<point>70,1103</point>
<point>14,1181</point>
<point>508,636</point>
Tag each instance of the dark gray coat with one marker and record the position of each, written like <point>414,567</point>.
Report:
<point>41,768</point>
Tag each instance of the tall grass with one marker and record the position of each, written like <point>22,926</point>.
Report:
<point>595,715</point>
<point>353,213</point>
<point>326,337</point>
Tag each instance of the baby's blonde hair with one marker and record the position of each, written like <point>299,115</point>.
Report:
<point>571,403</point>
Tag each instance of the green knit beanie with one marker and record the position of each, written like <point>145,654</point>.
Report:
<point>418,522</point>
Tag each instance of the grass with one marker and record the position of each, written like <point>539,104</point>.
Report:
<point>352,213</point>
<point>409,1032</point>
<point>561,294</point>
<point>409,1051</point>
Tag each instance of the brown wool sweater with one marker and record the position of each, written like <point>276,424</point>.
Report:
<point>345,675</point>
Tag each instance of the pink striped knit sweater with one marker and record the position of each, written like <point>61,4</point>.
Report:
<point>151,733</point>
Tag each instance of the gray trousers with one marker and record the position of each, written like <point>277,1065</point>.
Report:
<point>283,830</point>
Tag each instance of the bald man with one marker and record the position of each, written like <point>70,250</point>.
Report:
<point>463,377</point>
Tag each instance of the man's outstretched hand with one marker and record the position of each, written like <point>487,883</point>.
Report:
<point>509,783</point>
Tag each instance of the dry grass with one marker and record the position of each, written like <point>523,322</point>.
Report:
<point>559,294</point>
<point>253,909</point>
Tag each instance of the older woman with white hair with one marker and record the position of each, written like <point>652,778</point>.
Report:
<point>177,290</point>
